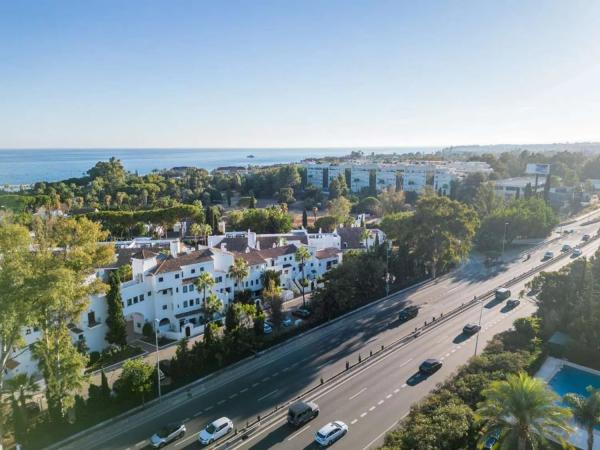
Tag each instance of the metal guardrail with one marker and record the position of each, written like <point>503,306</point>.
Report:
<point>279,411</point>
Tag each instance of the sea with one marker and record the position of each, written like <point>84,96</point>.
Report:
<point>27,166</point>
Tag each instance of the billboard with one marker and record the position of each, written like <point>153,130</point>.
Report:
<point>538,169</point>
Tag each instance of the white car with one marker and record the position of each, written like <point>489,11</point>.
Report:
<point>215,430</point>
<point>577,252</point>
<point>330,433</point>
<point>267,329</point>
<point>167,434</point>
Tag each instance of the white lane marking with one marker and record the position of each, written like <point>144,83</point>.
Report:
<point>396,391</point>
<point>220,402</point>
<point>233,395</point>
<point>357,394</point>
<point>447,354</point>
<point>208,408</point>
<point>404,385</point>
<point>354,421</point>
<point>139,444</point>
<point>244,390</point>
<point>388,396</point>
<point>255,384</point>
<point>285,369</point>
<point>380,402</point>
<point>265,379</point>
<point>297,433</point>
<point>442,358</point>
<point>275,374</point>
<point>372,408</point>
<point>405,362</point>
<point>268,395</point>
<point>199,413</point>
<point>453,350</point>
<point>380,435</point>
<point>363,414</point>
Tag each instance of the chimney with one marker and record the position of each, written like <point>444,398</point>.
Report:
<point>174,248</point>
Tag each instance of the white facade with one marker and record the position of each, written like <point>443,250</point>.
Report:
<point>314,175</point>
<point>360,177</point>
<point>515,187</point>
<point>385,177</point>
<point>335,171</point>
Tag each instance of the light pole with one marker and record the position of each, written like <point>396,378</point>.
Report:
<point>157,359</point>
<point>478,331</point>
<point>388,248</point>
<point>504,238</point>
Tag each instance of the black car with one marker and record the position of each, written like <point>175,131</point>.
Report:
<point>302,313</point>
<point>585,237</point>
<point>430,366</point>
<point>410,312</point>
<point>513,303</point>
<point>471,328</point>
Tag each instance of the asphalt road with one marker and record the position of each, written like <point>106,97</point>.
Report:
<point>371,398</point>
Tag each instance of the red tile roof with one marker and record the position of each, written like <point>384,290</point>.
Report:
<point>327,253</point>
<point>174,264</point>
<point>253,257</point>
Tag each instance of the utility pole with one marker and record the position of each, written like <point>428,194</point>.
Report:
<point>478,331</point>
<point>504,239</point>
<point>157,359</point>
<point>388,248</point>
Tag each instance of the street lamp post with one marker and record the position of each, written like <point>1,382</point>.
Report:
<point>478,331</point>
<point>504,238</point>
<point>388,248</point>
<point>157,359</point>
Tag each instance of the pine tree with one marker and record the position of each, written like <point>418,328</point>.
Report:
<point>104,387</point>
<point>117,328</point>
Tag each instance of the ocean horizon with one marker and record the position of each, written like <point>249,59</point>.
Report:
<point>27,166</point>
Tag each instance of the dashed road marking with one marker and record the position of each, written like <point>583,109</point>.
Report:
<point>208,408</point>
<point>268,395</point>
<point>298,432</point>
<point>255,384</point>
<point>357,394</point>
<point>363,414</point>
<point>265,379</point>
<point>380,402</point>
<point>220,402</point>
<point>354,421</point>
<point>234,395</point>
<point>404,385</point>
<point>244,390</point>
<point>396,391</point>
<point>388,396</point>
<point>199,413</point>
<point>372,408</point>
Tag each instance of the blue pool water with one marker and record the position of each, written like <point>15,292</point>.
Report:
<point>570,379</point>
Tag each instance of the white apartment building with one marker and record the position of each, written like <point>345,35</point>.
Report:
<point>360,177</point>
<point>515,187</point>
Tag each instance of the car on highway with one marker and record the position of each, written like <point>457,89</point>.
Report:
<point>410,312</point>
<point>471,328</point>
<point>301,412</point>
<point>565,248</point>
<point>585,237</point>
<point>513,303</point>
<point>502,294</point>
<point>330,433</point>
<point>576,253</point>
<point>301,313</point>
<point>215,430</point>
<point>548,255</point>
<point>167,434</point>
<point>267,328</point>
<point>430,366</point>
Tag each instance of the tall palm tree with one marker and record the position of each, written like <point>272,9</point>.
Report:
<point>238,270</point>
<point>195,231</point>
<point>21,388</point>
<point>586,411</point>
<point>302,254</point>
<point>203,282</point>
<point>205,232</point>
<point>365,235</point>
<point>523,411</point>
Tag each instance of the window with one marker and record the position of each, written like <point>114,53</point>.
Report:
<point>164,307</point>
<point>128,302</point>
<point>201,269</point>
<point>197,301</point>
<point>193,270</point>
<point>176,289</point>
<point>185,303</point>
<point>141,297</point>
<point>123,304</point>
<point>185,288</point>
<point>191,287</point>
<point>219,279</point>
<point>160,279</point>
<point>135,299</point>
<point>92,318</point>
<point>149,293</point>
<point>176,275</point>
<point>28,331</point>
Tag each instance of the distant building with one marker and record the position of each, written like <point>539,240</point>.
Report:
<point>510,188</point>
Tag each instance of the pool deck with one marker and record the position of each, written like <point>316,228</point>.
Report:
<point>550,367</point>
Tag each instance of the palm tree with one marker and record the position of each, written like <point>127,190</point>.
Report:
<point>196,230</point>
<point>205,231</point>
<point>203,282</point>
<point>523,411</point>
<point>238,271</point>
<point>365,235</point>
<point>302,254</point>
<point>586,411</point>
<point>21,388</point>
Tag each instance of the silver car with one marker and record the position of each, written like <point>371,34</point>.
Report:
<point>167,434</point>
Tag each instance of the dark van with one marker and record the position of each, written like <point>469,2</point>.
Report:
<point>410,312</point>
<point>301,412</point>
<point>502,294</point>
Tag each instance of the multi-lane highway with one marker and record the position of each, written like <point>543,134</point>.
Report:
<point>371,397</point>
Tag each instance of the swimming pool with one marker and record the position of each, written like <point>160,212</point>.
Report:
<point>571,379</point>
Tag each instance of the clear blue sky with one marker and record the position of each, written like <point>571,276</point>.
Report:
<point>297,73</point>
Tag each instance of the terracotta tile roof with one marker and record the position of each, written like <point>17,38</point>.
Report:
<point>253,257</point>
<point>144,254</point>
<point>234,244</point>
<point>274,252</point>
<point>327,253</point>
<point>173,264</point>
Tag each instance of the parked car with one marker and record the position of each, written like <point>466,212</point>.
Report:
<point>491,440</point>
<point>548,255</point>
<point>301,313</point>
<point>430,366</point>
<point>302,412</point>
<point>215,430</point>
<point>513,303</point>
<point>410,312</point>
<point>267,329</point>
<point>167,434</point>
<point>585,237</point>
<point>502,294</point>
<point>565,248</point>
<point>330,433</point>
<point>576,253</point>
<point>287,322</point>
<point>471,328</point>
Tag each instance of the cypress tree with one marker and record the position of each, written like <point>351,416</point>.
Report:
<point>117,329</point>
<point>304,218</point>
